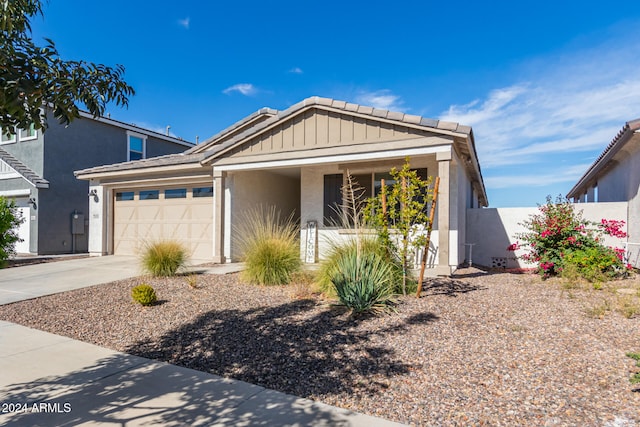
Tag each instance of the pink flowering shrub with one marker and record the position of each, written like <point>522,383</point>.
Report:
<point>558,237</point>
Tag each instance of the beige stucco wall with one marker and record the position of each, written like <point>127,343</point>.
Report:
<point>622,183</point>
<point>251,189</point>
<point>493,230</point>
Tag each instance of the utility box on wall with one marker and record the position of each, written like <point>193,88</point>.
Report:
<point>77,223</point>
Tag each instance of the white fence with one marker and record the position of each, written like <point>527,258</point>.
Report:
<point>493,230</point>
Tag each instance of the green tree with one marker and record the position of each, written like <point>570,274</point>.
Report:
<point>32,76</point>
<point>407,199</point>
<point>9,222</point>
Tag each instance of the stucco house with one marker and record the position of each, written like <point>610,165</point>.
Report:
<point>36,171</point>
<point>615,177</point>
<point>295,159</point>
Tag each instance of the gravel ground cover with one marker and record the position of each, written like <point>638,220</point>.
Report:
<point>477,349</point>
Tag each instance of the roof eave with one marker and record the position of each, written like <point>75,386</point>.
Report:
<point>624,135</point>
<point>87,174</point>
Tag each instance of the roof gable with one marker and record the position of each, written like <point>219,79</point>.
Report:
<point>320,128</point>
<point>322,122</point>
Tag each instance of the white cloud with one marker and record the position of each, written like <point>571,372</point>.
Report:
<point>567,105</point>
<point>184,22</point>
<point>566,176</point>
<point>296,70</point>
<point>382,99</point>
<point>246,89</point>
<point>540,132</point>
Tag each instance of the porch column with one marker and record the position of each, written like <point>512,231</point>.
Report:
<point>218,216</point>
<point>444,212</point>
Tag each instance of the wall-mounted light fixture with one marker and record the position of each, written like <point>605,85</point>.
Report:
<point>94,193</point>
<point>32,202</point>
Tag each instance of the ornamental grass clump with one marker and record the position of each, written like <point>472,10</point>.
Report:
<point>363,283</point>
<point>144,294</point>
<point>164,258</point>
<point>268,245</point>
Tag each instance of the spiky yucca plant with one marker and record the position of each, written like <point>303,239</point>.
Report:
<point>362,283</point>
<point>357,243</point>
<point>368,244</point>
<point>268,246</point>
<point>164,258</point>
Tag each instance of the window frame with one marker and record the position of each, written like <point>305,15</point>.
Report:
<point>29,137</point>
<point>373,187</point>
<point>8,141</point>
<point>119,196</point>
<point>149,195</point>
<point>202,194</point>
<point>143,153</point>
<point>175,193</point>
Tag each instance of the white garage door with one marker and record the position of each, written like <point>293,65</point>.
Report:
<point>150,215</point>
<point>24,230</point>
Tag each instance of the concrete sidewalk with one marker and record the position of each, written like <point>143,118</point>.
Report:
<point>47,380</point>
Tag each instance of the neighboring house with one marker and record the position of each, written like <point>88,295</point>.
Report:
<point>295,159</point>
<point>36,170</point>
<point>615,177</point>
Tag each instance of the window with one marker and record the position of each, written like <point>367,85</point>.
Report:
<point>149,194</point>
<point>30,133</point>
<point>332,199</point>
<point>137,147</point>
<point>371,183</point>
<point>175,193</point>
<point>8,137</point>
<point>124,196</point>
<point>203,192</point>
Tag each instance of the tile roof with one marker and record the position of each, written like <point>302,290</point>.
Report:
<point>28,174</point>
<point>166,160</point>
<point>614,146</point>
<point>216,145</point>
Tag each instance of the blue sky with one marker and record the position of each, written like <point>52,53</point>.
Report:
<point>545,85</point>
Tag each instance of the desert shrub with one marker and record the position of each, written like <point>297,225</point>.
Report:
<point>362,282</point>
<point>268,245</point>
<point>144,294</point>
<point>365,245</point>
<point>303,285</point>
<point>595,264</point>
<point>164,258</point>
<point>10,220</point>
<point>559,238</point>
<point>405,216</point>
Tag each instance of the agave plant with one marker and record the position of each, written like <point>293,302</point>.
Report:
<point>363,282</point>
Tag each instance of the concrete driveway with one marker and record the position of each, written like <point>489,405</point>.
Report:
<point>31,281</point>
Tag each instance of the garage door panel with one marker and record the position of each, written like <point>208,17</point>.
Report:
<point>186,220</point>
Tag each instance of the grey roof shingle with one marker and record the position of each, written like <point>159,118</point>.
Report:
<point>166,160</point>
<point>615,145</point>
<point>28,174</point>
